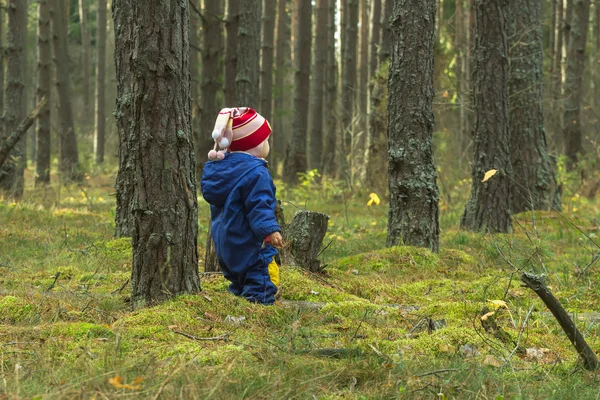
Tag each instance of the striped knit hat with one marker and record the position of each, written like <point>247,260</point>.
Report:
<point>238,129</point>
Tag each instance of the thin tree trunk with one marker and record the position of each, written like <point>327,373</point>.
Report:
<point>488,206</point>
<point>85,46</point>
<point>282,41</point>
<point>317,84</point>
<point>156,165</point>
<point>2,61</point>
<point>296,155</point>
<point>195,49</point>
<point>413,214</point>
<point>99,115</point>
<point>12,175</point>
<point>328,166</point>
<point>459,43</point>
<point>363,86</point>
<point>568,21</point>
<point>231,54</point>
<point>266,73</point>
<point>69,158</point>
<point>557,77</point>
<point>574,80</point>
<point>42,175</point>
<point>386,31</point>
<point>349,80</point>
<point>375,36</point>
<point>209,106</point>
<point>248,65</point>
<point>534,180</point>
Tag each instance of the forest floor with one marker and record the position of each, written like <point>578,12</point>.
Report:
<point>379,323</point>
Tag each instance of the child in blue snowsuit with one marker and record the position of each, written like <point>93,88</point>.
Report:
<point>237,185</point>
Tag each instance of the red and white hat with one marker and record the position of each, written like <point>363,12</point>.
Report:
<point>238,129</point>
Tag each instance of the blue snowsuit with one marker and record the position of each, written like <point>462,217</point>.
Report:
<point>241,195</point>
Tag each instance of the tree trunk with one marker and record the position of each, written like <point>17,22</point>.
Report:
<point>386,31</point>
<point>248,65</point>
<point>574,80</point>
<point>266,73</point>
<point>534,179</point>
<point>488,207</point>
<point>211,263</point>
<point>363,86</point>
<point>282,42</point>
<point>461,83</point>
<point>153,115</point>
<point>42,175</point>
<point>349,53</point>
<point>413,214</point>
<point>296,154</point>
<point>2,58</point>
<point>69,158</point>
<point>85,47</point>
<point>557,77</point>
<point>210,105</point>
<point>568,21</point>
<point>195,49</point>
<point>99,116</point>
<point>231,54</point>
<point>12,175</point>
<point>374,132</point>
<point>317,84</point>
<point>305,235</point>
<point>328,166</point>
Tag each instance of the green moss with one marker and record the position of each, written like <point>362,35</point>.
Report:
<point>16,310</point>
<point>117,249</point>
<point>398,258</point>
<point>78,330</point>
<point>296,284</point>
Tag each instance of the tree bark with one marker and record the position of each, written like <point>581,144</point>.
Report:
<point>375,37</point>
<point>42,175</point>
<point>99,115</point>
<point>12,175</point>
<point>349,63</point>
<point>534,180</point>
<point>85,55</point>
<point>363,85</point>
<point>305,236</point>
<point>2,60</point>
<point>317,84</point>
<point>266,72</point>
<point>574,80</point>
<point>156,158</point>
<point>7,144</point>
<point>413,214</point>
<point>209,105</point>
<point>557,76</point>
<point>488,206</point>
<point>296,154</point>
<point>248,65</point>
<point>195,49</point>
<point>231,54</point>
<point>69,158</point>
<point>282,42</point>
<point>328,157</point>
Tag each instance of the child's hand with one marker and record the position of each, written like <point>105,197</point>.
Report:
<point>276,240</point>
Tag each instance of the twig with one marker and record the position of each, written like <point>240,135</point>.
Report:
<point>224,337</point>
<point>324,248</point>
<point>56,276</point>
<point>119,290</point>
<point>360,324</point>
<point>521,331</point>
<point>439,371</point>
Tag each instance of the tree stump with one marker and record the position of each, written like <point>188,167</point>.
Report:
<point>305,235</point>
<point>211,264</point>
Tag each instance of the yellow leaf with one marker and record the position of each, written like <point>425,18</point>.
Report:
<point>116,381</point>
<point>486,316</point>
<point>373,199</point>
<point>496,304</point>
<point>445,94</point>
<point>374,223</point>
<point>489,174</point>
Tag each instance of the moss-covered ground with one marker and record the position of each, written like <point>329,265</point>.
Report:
<point>379,323</point>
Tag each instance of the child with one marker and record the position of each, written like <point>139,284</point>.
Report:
<point>241,194</point>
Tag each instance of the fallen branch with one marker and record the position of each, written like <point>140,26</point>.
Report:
<point>224,337</point>
<point>536,283</point>
<point>11,141</point>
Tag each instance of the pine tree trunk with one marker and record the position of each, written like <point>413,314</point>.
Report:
<point>371,133</point>
<point>2,58</point>
<point>266,73</point>
<point>574,80</point>
<point>195,49</point>
<point>12,173</point>
<point>69,158</point>
<point>85,46</point>
<point>557,77</point>
<point>282,41</point>
<point>154,122</point>
<point>209,88</point>
<point>349,64</point>
<point>296,155</point>
<point>459,43</point>
<point>231,54</point>
<point>248,64</point>
<point>413,214</point>
<point>317,84</point>
<point>328,166</point>
<point>363,86</point>
<point>42,175</point>
<point>99,115</point>
<point>488,207</point>
<point>386,31</point>
<point>534,181</point>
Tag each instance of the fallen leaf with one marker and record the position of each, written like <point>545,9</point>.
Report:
<point>489,174</point>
